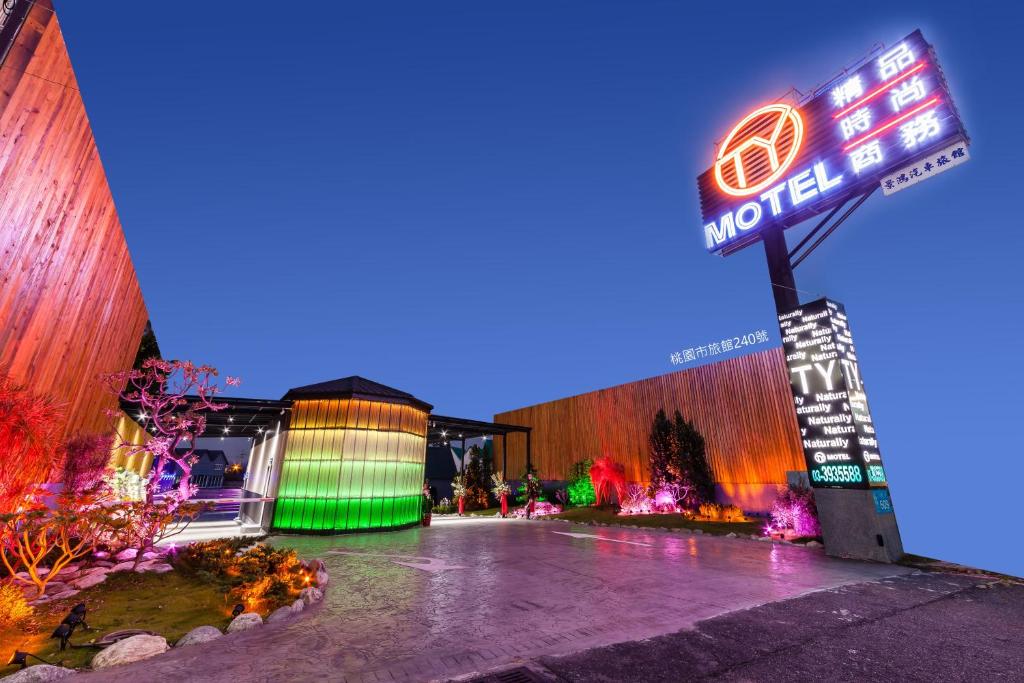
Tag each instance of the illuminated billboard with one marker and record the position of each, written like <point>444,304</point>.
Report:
<point>836,429</point>
<point>889,122</point>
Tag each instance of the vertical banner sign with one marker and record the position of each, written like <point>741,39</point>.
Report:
<point>839,441</point>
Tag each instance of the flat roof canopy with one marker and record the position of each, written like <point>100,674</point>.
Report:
<point>252,417</point>
<point>249,417</point>
<point>441,428</point>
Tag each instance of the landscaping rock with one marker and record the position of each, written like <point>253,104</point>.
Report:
<point>68,593</point>
<point>698,531</point>
<point>126,554</point>
<point>298,606</point>
<point>123,566</point>
<point>321,578</point>
<point>89,580</point>
<point>104,563</point>
<point>281,614</point>
<point>731,534</point>
<point>38,674</point>
<point>55,587</point>
<point>814,544</point>
<point>311,594</point>
<point>200,634</point>
<point>157,566</point>
<point>129,650</point>
<point>246,621</point>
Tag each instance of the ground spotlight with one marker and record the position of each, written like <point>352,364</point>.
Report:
<point>239,608</point>
<point>62,632</point>
<point>21,659</point>
<point>74,619</point>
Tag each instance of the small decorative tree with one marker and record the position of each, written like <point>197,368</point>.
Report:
<point>607,476</point>
<point>501,490</point>
<point>662,448</point>
<point>478,472</point>
<point>29,434</point>
<point>459,491</point>
<point>795,511</point>
<point>581,488</point>
<point>36,538</point>
<point>690,460</point>
<point>172,397</point>
<point>85,464</point>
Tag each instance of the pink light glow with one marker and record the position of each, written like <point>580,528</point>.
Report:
<point>541,508</point>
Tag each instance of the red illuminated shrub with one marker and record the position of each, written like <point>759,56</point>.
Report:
<point>85,463</point>
<point>608,475</point>
<point>29,434</point>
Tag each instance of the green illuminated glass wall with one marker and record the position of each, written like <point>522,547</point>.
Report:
<point>351,464</point>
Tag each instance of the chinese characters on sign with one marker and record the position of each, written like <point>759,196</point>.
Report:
<point>717,347</point>
<point>783,163</point>
<point>933,164</point>
<point>838,435</point>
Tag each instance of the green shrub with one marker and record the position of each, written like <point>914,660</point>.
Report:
<point>581,488</point>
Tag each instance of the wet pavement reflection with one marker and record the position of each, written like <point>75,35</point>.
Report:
<point>471,594</point>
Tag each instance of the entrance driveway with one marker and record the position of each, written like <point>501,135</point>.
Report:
<point>472,594</point>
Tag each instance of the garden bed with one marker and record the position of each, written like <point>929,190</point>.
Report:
<point>169,604</point>
<point>221,584</point>
<point>592,515</point>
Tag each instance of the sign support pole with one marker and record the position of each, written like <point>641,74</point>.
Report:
<point>780,272</point>
<point>851,524</point>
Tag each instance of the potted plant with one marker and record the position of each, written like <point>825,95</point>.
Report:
<point>459,491</point>
<point>501,489</point>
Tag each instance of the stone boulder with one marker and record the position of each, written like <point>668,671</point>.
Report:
<point>125,566</point>
<point>814,544</point>
<point>200,634</point>
<point>38,674</point>
<point>281,614</point>
<point>157,566</point>
<point>126,554</point>
<point>298,606</point>
<point>89,580</point>
<point>311,594</point>
<point>244,622</point>
<point>129,650</point>
<point>321,577</point>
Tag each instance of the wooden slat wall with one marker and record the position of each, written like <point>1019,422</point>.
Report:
<point>742,406</point>
<point>70,304</point>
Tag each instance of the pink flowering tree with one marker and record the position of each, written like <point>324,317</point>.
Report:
<point>172,399</point>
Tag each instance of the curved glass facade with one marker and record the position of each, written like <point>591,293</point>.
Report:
<point>351,464</point>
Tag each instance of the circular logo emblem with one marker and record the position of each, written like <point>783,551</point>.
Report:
<point>820,458</point>
<point>759,149</point>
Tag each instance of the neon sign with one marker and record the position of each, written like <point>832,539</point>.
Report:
<point>740,169</point>
<point>785,162</point>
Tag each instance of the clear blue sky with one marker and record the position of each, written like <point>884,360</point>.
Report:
<point>494,204</point>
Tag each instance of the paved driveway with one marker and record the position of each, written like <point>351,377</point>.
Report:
<point>471,594</point>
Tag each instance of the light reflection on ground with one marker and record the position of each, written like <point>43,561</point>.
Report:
<point>470,594</point>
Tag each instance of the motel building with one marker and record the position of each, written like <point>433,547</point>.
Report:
<point>347,454</point>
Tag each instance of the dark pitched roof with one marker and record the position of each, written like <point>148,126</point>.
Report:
<point>355,387</point>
